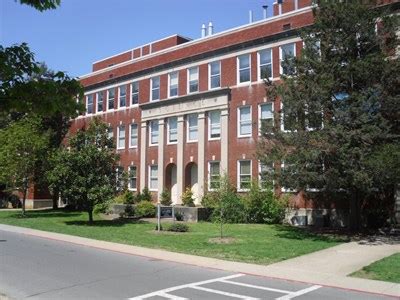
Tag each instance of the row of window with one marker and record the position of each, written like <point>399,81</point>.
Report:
<point>214,78</point>
<point>214,127</point>
<point>244,176</point>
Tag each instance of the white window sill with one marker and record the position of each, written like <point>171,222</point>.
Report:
<point>214,139</point>
<point>121,148</point>
<point>191,142</point>
<point>244,136</point>
<point>172,143</point>
<point>153,145</point>
<point>153,190</point>
<point>133,147</point>
<point>243,190</point>
<point>132,189</point>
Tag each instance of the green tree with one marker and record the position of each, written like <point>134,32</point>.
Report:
<point>85,171</point>
<point>23,145</point>
<point>340,109</point>
<point>42,5</point>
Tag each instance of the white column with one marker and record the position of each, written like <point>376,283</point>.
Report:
<point>224,141</point>
<point>143,146</point>
<point>180,176</point>
<point>201,154</point>
<point>160,159</point>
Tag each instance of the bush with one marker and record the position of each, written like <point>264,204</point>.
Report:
<point>102,207</point>
<point>178,216</point>
<point>145,209</point>
<point>187,197</point>
<point>129,198</point>
<point>178,227</point>
<point>166,198</point>
<point>119,199</point>
<point>146,195</point>
<point>263,207</point>
<point>129,210</point>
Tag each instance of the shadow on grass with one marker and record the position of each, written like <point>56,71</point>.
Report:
<point>50,213</point>
<point>298,233</point>
<point>105,223</point>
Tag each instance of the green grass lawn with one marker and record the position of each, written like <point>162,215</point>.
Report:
<point>387,269</point>
<point>263,244</point>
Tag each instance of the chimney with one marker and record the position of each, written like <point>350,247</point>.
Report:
<point>210,28</point>
<point>250,16</point>
<point>265,8</point>
<point>203,30</point>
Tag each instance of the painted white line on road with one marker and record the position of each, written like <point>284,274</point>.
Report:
<point>256,287</point>
<point>172,297</point>
<point>299,293</point>
<point>168,290</point>
<point>222,293</point>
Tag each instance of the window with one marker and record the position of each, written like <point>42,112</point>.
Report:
<point>215,74</point>
<point>110,132</point>
<point>244,68</point>
<point>172,130</point>
<point>119,178</point>
<point>132,177</point>
<point>135,93</point>
<point>153,133</point>
<point>173,84</point>
<point>265,64</point>
<point>121,137</point>
<point>153,178</point>
<point>133,135</point>
<point>192,127</point>
<point>100,96</point>
<point>89,104</point>
<point>265,171</point>
<point>193,79</point>
<point>214,123</point>
<point>287,53</point>
<point>122,96</point>
<point>244,118</point>
<point>213,175</point>
<point>244,175</point>
<point>155,88</point>
<point>111,96</point>
<point>266,115</point>
<point>288,119</point>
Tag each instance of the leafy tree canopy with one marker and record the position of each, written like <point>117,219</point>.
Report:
<point>42,5</point>
<point>339,115</point>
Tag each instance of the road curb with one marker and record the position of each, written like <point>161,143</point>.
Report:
<point>281,270</point>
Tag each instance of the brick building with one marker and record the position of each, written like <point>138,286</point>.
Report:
<point>184,111</point>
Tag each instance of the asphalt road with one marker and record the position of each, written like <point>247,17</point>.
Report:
<point>38,268</point>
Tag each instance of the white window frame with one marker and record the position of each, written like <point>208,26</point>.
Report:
<point>259,115</point>
<point>151,88</point>
<point>137,93</point>
<point>188,79</point>
<point>87,104</point>
<point>98,95</point>
<point>120,185</point>
<point>209,125</point>
<point>119,136</point>
<point>210,76</point>
<point>238,69</point>
<point>129,178</point>
<point>281,56</point>
<point>239,175</point>
<point>150,178</point>
<point>110,132</point>
<point>119,96</point>
<point>260,179</point>
<point>130,135</point>
<point>151,132</point>
<point>209,173</point>
<point>108,99</point>
<point>188,127</point>
<point>239,122</point>
<point>259,64</point>
<point>170,86</point>
<point>169,142</point>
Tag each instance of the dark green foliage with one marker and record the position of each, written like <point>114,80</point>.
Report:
<point>166,198</point>
<point>178,216</point>
<point>85,173</point>
<point>129,197</point>
<point>178,227</point>
<point>129,210</point>
<point>341,105</point>
<point>42,5</point>
<point>145,209</point>
<point>262,206</point>
<point>145,195</point>
<point>187,197</point>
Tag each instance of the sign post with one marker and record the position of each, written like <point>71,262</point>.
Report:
<point>158,216</point>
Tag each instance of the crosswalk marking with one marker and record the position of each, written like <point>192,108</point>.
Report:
<point>299,293</point>
<point>222,293</point>
<point>256,287</point>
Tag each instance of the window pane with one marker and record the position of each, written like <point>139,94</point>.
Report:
<point>134,135</point>
<point>100,101</point>
<point>173,130</point>
<point>244,61</point>
<point>215,68</point>
<point>122,96</point>
<point>155,85</point>
<point>287,51</point>
<point>215,126</point>
<point>89,100</point>
<point>135,93</point>
<point>266,71</point>
<point>121,137</point>
<point>266,111</point>
<point>215,82</point>
<point>111,95</point>
<point>245,168</point>
<point>154,132</point>
<point>265,57</point>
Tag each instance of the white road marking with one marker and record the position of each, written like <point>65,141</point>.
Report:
<point>223,293</point>
<point>256,287</point>
<point>299,293</point>
<point>168,290</point>
<point>172,297</point>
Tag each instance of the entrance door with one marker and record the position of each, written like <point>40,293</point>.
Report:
<point>174,184</point>
<point>194,185</point>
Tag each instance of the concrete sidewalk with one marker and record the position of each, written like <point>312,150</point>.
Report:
<point>328,267</point>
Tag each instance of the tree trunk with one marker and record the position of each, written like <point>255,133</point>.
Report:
<point>56,195</point>
<point>90,212</point>
<point>355,211</point>
<point>23,201</point>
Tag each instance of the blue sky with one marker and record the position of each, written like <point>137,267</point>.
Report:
<point>79,32</point>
